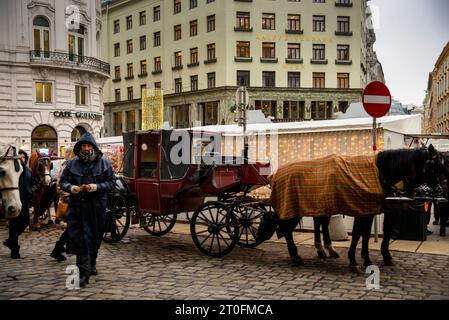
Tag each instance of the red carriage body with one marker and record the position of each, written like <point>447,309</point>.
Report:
<point>156,185</point>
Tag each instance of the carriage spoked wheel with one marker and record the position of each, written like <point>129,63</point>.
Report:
<point>118,218</point>
<point>214,229</point>
<point>158,225</point>
<point>249,219</point>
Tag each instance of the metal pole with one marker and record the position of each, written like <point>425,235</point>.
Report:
<point>376,228</point>
<point>245,140</point>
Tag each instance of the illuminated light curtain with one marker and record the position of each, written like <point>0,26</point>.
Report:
<point>152,109</point>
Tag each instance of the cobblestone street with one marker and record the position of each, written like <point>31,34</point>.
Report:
<point>170,267</point>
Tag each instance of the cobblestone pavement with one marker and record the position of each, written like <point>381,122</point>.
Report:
<point>170,267</point>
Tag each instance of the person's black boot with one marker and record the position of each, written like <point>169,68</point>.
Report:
<point>84,280</point>
<point>15,249</point>
<point>57,252</point>
<point>15,252</point>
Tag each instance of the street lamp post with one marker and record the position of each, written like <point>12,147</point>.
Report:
<point>242,100</point>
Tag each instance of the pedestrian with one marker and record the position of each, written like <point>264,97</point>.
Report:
<point>64,198</point>
<point>27,188</point>
<point>87,177</point>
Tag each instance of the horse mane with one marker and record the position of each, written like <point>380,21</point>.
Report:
<point>34,161</point>
<point>395,165</point>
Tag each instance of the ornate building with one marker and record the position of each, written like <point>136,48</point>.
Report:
<point>51,72</point>
<point>436,103</point>
<point>300,60</point>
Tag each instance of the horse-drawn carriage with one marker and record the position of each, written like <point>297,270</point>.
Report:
<point>167,172</point>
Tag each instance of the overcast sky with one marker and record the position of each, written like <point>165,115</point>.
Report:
<point>411,34</point>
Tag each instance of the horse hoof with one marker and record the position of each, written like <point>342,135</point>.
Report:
<point>334,254</point>
<point>355,269</point>
<point>297,262</point>
<point>322,254</point>
<point>367,263</point>
<point>389,263</point>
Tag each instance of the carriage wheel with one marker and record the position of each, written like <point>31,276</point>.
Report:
<point>118,218</point>
<point>158,225</point>
<point>249,221</point>
<point>214,229</point>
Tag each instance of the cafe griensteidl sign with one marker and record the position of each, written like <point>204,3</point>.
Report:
<point>78,114</point>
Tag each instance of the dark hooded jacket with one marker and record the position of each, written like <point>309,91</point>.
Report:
<point>87,210</point>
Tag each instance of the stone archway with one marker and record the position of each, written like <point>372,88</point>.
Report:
<point>44,139</point>
<point>77,132</point>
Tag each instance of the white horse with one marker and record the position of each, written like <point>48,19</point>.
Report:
<point>10,171</point>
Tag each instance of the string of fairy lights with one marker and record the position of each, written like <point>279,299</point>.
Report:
<point>281,149</point>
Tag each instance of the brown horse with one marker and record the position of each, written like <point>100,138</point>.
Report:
<point>41,166</point>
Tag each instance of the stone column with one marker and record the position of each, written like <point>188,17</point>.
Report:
<point>279,109</point>
<point>138,119</point>
<point>308,109</point>
<point>334,108</point>
<point>124,120</point>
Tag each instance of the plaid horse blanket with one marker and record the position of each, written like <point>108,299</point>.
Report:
<point>331,185</point>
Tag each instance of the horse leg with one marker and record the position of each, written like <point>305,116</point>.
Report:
<point>286,228</point>
<point>368,223</point>
<point>356,233</point>
<point>443,219</point>
<point>317,222</point>
<point>327,238</point>
<point>389,225</point>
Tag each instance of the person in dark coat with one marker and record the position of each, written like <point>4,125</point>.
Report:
<point>87,177</point>
<point>27,188</point>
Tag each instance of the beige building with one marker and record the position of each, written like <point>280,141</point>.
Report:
<point>300,60</point>
<point>51,74</point>
<point>437,100</point>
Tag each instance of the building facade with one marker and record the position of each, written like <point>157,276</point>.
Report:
<point>51,72</point>
<point>437,98</point>
<point>300,60</point>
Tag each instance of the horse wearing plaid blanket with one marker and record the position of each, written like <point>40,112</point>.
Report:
<point>354,186</point>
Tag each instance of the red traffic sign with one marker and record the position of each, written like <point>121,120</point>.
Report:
<point>376,99</point>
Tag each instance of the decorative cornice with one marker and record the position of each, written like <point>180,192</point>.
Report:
<point>33,4</point>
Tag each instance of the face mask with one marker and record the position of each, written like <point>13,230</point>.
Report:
<point>87,155</point>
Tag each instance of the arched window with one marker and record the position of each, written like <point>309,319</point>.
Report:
<point>41,35</point>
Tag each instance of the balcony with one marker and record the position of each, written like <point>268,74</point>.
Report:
<point>243,29</point>
<point>117,79</point>
<point>156,72</point>
<point>243,59</point>
<point>293,31</point>
<point>343,62</point>
<point>178,67</point>
<point>193,64</point>
<point>313,61</point>
<point>74,61</point>
<point>269,60</point>
<point>142,75</point>
<point>209,61</point>
<point>130,77</point>
<point>343,33</point>
<point>343,4</point>
<point>293,61</point>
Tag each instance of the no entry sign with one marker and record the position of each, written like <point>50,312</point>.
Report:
<point>376,99</point>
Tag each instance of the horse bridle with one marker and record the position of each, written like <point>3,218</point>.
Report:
<point>42,160</point>
<point>14,157</point>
